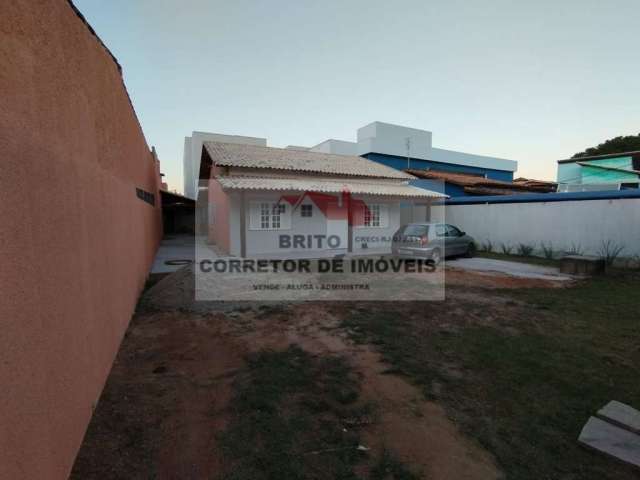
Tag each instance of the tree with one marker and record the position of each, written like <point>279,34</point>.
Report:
<point>628,143</point>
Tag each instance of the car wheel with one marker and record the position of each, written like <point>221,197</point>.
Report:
<point>471,250</point>
<point>436,257</point>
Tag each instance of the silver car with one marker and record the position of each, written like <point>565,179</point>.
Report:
<point>433,241</point>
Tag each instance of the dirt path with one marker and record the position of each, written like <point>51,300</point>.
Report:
<point>167,395</point>
<point>418,431</point>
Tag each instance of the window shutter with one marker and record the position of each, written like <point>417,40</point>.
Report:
<point>254,216</point>
<point>384,215</point>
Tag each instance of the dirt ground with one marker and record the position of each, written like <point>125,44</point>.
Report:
<point>167,397</point>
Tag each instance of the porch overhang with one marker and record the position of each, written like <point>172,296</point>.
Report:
<point>365,187</point>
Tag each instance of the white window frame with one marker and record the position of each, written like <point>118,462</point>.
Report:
<point>265,215</point>
<point>375,215</point>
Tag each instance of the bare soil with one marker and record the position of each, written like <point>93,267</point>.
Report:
<point>166,398</point>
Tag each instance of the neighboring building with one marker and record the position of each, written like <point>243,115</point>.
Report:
<point>618,171</point>
<point>463,184</point>
<point>403,147</point>
<point>391,145</point>
<point>193,151</point>
<point>261,199</point>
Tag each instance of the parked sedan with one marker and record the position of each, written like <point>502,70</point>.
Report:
<point>433,241</point>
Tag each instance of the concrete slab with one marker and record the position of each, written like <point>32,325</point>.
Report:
<point>621,415</point>
<point>175,247</point>
<point>611,440</point>
<point>515,269</point>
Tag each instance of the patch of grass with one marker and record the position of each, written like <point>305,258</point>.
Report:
<point>525,396</point>
<point>294,416</point>
<point>389,468</point>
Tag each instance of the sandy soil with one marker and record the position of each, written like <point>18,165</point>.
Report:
<point>166,397</point>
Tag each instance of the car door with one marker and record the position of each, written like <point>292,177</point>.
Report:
<point>440,239</point>
<point>455,241</point>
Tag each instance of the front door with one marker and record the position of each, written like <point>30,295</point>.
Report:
<point>337,226</point>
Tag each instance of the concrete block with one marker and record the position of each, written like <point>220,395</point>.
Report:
<point>581,265</point>
<point>621,415</point>
<point>611,440</point>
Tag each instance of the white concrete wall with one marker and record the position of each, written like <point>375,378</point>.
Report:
<point>187,170</point>
<point>562,224</point>
<point>338,147</point>
<point>265,242</point>
<point>378,239</point>
<point>391,139</point>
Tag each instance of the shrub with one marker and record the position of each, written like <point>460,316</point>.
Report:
<point>506,249</point>
<point>489,246</point>
<point>609,251</point>
<point>547,250</point>
<point>525,250</point>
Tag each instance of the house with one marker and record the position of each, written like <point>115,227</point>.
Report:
<point>618,171</point>
<point>395,146</point>
<point>298,203</point>
<point>463,184</point>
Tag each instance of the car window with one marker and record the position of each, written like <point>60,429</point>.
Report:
<point>440,231</point>
<point>415,230</point>
<point>452,231</point>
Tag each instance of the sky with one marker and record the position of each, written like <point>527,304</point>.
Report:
<point>530,81</point>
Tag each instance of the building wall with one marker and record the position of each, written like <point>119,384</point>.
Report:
<point>400,163</point>
<point>76,242</point>
<point>338,147</point>
<point>561,224</point>
<point>377,239</point>
<point>574,174</point>
<point>218,218</point>
<point>266,242</point>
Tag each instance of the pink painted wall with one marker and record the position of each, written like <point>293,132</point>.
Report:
<point>76,243</point>
<point>219,232</point>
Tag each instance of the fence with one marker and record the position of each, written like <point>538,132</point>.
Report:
<point>585,222</point>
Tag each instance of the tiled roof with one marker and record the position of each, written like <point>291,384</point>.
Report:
<point>478,185</point>
<point>252,156</point>
<point>311,184</point>
<point>461,179</point>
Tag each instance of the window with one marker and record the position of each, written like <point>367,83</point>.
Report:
<point>441,231</point>
<point>265,210</point>
<point>306,210</point>
<point>372,216</point>
<point>269,216</point>
<point>452,231</point>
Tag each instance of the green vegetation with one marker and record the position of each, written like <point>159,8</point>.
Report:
<point>389,468</point>
<point>622,144</point>
<point>289,414</point>
<point>526,381</point>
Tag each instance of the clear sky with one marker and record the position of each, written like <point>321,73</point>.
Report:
<point>533,81</point>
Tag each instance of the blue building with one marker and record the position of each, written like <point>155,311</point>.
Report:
<point>405,148</point>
